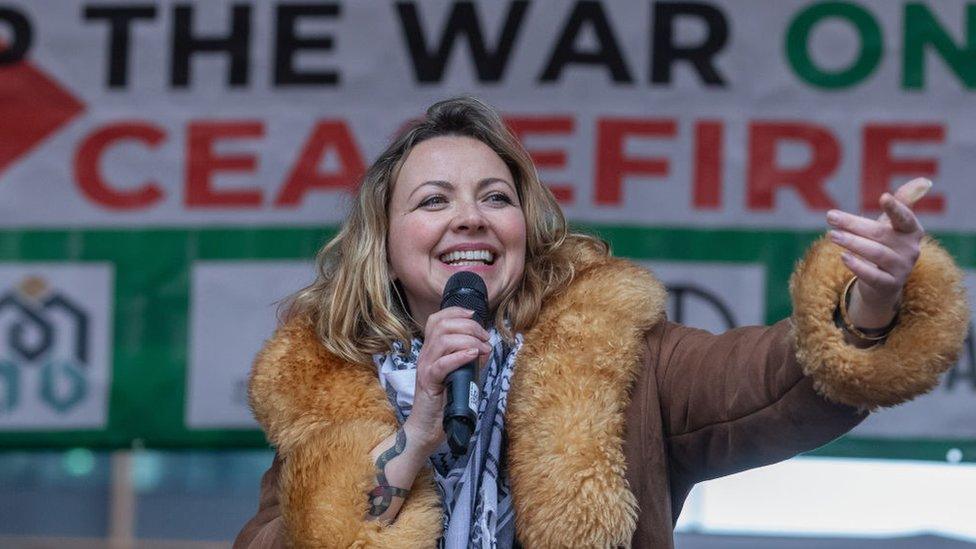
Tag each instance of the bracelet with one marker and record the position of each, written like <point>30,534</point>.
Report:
<point>843,320</point>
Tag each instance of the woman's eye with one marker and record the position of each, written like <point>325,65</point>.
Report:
<point>435,200</point>
<point>499,198</point>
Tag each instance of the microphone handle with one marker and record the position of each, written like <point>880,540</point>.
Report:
<point>461,409</point>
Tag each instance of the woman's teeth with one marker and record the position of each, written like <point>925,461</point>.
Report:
<point>468,257</point>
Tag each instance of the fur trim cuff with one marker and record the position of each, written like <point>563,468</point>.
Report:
<point>925,342</point>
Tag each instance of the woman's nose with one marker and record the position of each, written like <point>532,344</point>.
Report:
<point>468,217</point>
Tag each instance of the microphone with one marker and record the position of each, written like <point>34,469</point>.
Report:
<point>466,290</point>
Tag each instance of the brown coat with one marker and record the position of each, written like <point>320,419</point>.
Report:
<point>614,412</point>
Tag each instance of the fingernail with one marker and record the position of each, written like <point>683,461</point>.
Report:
<point>472,352</point>
<point>836,236</point>
<point>833,216</point>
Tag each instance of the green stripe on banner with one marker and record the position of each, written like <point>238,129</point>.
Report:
<point>151,311</point>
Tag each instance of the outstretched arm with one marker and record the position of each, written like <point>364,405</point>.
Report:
<point>757,395</point>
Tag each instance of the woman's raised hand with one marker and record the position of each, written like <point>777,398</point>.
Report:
<point>451,339</point>
<point>880,252</point>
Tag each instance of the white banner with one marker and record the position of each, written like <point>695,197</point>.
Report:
<point>199,152</point>
<point>732,113</point>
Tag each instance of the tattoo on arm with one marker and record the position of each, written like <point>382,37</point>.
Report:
<point>382,496</point>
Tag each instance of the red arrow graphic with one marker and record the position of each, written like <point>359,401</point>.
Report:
<point>32,107</point>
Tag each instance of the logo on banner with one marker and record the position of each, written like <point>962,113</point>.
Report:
<point>29,343</point>
<point>713,296</point>
<point>54,345</point>
<point>684,294</point>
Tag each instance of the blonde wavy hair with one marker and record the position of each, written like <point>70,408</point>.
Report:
<point>354,304</point>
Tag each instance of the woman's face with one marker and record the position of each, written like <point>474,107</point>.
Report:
<point>454,208</point>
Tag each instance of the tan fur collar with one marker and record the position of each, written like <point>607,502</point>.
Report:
<point>565,415</point>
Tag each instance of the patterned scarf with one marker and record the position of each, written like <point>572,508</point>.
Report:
<point>474,488</point>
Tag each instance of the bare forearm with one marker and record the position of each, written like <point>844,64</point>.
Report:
<point>398,460</point>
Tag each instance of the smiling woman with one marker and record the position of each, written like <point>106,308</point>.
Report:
<point>596,414</point>
<point>454,207</point>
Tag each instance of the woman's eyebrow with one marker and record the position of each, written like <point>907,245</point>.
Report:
<point>446,185</point>
<point>489,180</point>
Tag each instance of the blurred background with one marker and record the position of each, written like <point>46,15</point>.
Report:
<point>168,171</point>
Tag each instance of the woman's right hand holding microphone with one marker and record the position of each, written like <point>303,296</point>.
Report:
<point>452,338</point>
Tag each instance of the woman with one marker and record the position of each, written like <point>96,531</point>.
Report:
<point>596,415</point>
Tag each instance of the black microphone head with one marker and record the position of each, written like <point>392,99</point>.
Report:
<point>465,279</point>
<point>467,290</point>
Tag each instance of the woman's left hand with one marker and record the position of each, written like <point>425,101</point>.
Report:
<point>881,253</point>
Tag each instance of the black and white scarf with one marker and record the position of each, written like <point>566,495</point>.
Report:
<point>474,488</point>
